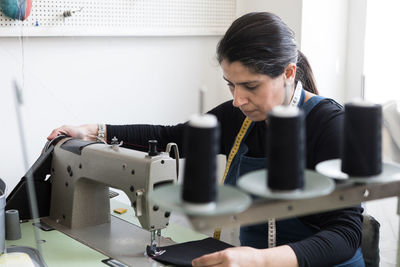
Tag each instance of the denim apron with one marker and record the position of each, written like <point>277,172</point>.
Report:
<point>289,230</point>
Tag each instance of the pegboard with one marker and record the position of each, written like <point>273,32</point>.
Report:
<point>123,18</point>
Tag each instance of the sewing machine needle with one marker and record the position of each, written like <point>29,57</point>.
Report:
<point>159,237</point>
<point>153,243</point>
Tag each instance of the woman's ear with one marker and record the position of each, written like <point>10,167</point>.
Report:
<point>290,71</point>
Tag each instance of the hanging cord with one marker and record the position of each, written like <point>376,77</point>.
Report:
<point>21,41</point>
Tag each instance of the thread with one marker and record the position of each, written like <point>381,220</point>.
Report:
<point>361,151</point>
<point>286,149</point>
<point>201,139</point>
<point>16,9</point>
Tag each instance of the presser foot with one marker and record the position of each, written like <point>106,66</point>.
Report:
<point>152,249</point>
<point>154,252</point>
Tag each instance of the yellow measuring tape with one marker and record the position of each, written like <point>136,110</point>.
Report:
<point>242,132</point>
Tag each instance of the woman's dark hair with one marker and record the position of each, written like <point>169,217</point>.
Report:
<point>262,42</point>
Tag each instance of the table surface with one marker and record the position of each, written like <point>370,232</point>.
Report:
<point>60,250</point>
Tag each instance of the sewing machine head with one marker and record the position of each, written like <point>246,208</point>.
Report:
<point>82,172</point>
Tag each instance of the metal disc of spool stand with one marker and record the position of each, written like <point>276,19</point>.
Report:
<point>332,168</point>
<point>230,200</point>
<point>315,185</point>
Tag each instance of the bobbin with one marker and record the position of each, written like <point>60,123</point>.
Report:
<point>285,149</point>
<point>361,151</point>
<point>201,139</point>
<point>387,172</point>
<point>220,199</point>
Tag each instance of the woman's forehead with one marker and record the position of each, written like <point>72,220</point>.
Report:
<point>237,72</point>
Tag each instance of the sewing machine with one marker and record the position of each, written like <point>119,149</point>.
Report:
<point>81,174</point>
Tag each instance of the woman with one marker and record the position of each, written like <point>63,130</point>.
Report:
<point>262,67</point>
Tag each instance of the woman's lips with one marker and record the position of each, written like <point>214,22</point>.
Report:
<point>247,112</point>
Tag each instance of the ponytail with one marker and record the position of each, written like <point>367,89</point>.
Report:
<point>304,74</point>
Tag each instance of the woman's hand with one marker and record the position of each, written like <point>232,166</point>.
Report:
<point>238,256</point>
<point>86,132</point>
<point>246,256</point>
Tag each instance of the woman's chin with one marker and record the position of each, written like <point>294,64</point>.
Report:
<point>255,117</point>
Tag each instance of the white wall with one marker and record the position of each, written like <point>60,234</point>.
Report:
<point>101,79</point>
<point>288,10</point>
<point>356,46</point>
<point>381,51</point>
<point>324,42</point>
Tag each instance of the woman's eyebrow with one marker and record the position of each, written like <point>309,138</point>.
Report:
<point>241,83</point>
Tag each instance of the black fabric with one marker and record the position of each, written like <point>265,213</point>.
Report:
<point>18,198</point>
<point>340,231</point>
<point>183,254</point>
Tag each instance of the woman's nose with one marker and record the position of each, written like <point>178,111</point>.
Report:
<point>239,98</point>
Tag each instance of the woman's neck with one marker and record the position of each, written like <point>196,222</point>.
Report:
<point>308,96</point>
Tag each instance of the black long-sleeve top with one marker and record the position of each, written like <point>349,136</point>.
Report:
<point>339,233</point>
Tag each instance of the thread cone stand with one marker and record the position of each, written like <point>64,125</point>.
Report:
<point>332,168</point>
<point>230,200</point>
<point>315,185</point>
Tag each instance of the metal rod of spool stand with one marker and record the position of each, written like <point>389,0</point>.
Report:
<point>29,175</point>
<point>363,87</point>
<point>398,239</point>
<point>203,90</point>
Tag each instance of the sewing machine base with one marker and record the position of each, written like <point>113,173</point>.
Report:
<point>118,239</point>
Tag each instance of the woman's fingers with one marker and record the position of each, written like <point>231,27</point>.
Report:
<point>208,260</point>
<point>72,131</point>
<point>85,132</point>
<point>55,133</point>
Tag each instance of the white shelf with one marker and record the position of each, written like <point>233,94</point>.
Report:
<point>123,18</point>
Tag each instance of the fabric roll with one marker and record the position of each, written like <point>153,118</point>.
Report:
<point>201,139</point>
<point>286,148</point>
<point>361,151</point>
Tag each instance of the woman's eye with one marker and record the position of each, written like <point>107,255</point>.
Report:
<point>251,87</point>
<point>231,86</point>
